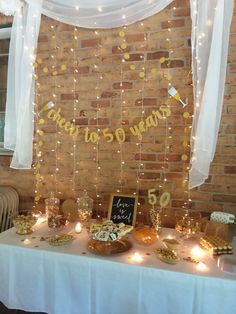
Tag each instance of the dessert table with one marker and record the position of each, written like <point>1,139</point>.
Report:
<point>69,279</point>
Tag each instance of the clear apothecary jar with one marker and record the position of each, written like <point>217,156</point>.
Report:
<point>188,222</point>
<point>52,206</point>
<point>85,207</point>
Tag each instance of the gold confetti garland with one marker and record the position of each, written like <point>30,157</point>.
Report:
<point>38,138</point>
<point>185,158</point>
<point>97,147</point>
<point>54,73</point>
<point>73,154</point>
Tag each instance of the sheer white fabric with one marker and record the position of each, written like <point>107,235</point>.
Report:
<point>9,7</point>
<point>211,21</point>
<point>20,92</point>
<point>103,13</point>
<point>19,125</point>
<point>210,33</point>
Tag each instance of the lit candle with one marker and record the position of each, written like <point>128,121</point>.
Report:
<point>41,220</point>
<point>78,227</point>
<point>201,267</point>
<point>137,258</point>
<point>169,237</point>
<point>26,241</point>
<point>197,252</point>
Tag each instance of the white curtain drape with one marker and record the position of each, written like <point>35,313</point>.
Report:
<point>19,124</point>
<point>210,33</point>
<point>10,7</point>
<point>103,13</point>
<point>211,21</point>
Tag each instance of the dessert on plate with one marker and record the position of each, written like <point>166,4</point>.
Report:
<point>145,235</point>
<point>167,256</point>
<point>109,231</point>
<point>61,239</point>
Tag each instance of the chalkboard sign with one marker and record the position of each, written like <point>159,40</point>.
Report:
<point>123,209</point>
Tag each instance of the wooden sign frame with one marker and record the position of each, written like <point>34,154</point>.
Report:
<point>126,209</point>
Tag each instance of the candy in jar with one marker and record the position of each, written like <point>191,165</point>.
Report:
<point>52,209</point>
<point>85,207</point>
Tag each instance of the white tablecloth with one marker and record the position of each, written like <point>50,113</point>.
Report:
<point>70,280</point>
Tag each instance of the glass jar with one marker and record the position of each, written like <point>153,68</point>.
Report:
<point>85,207</point>
<point>188,222</point>
<point>52,206</point>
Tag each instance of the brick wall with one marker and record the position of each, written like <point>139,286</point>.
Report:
<point>100,99</point>
<point>5,19</point>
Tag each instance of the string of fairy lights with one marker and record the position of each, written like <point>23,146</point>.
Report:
<point>185,158</point>
<point>168,128</point>
<point>73,154</point>
<point>98,165</point>
<point>38,143</point>
<point>54,73</point>
<point>185,143</point>
<point>122,47</point>
<point>143,75</point>
<point>96,118</point>
<point>140,173</point>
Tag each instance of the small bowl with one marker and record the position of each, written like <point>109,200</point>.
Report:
<point>167,256</point>
<point>62,239</point>
<point>145,235</point>
<point>24,224</point>
<point>172,244</point>
<point>227,264</point>
<point>188,222</point>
